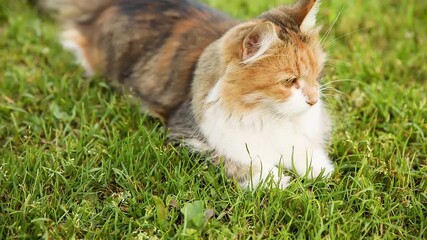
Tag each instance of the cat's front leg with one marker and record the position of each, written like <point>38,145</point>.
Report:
<point>251,176</point>
<point>263,176</point>
<point>312,163</point>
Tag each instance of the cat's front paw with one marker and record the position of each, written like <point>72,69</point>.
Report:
<point>318,165</point>
<point>283,182</point>
<point>263,178</point>
<point>323,168</point>
<point>321,165</point>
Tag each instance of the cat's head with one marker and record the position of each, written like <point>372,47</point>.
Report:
<point>274,62</point>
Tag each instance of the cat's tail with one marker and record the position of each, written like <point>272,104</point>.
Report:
<point>74,11</point>
<point>78,18</point>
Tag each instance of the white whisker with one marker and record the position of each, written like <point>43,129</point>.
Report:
<point>326,35</point>
<point>345,35</point>
<point>342,80</point>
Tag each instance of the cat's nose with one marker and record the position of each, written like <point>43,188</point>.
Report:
<point>311,102</point>
<point>311,95</point>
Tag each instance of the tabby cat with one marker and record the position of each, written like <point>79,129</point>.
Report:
<point>247,92</point>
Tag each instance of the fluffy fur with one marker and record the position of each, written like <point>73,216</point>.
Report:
<point>247,92</point>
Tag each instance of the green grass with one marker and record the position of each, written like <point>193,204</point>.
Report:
<point>78,159</point>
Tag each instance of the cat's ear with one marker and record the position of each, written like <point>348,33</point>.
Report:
<point>304,14</point>
<point>258,41</point>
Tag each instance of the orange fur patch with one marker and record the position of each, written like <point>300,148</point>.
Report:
<point>268,77</point>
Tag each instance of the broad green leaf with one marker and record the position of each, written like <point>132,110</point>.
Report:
<point>162,211</point>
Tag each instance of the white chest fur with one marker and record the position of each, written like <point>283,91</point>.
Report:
<point>254,136</point>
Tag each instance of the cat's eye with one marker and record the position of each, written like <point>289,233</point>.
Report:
<point>289,81</point>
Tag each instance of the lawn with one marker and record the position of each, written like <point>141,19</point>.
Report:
<point>79,160</point>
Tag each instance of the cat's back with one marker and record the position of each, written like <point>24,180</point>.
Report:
<point>151,46</point>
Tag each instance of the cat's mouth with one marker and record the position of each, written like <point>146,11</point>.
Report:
<point>293,107</point>
<point>296,104</point>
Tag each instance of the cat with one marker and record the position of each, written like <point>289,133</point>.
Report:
<point>245,91</point>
